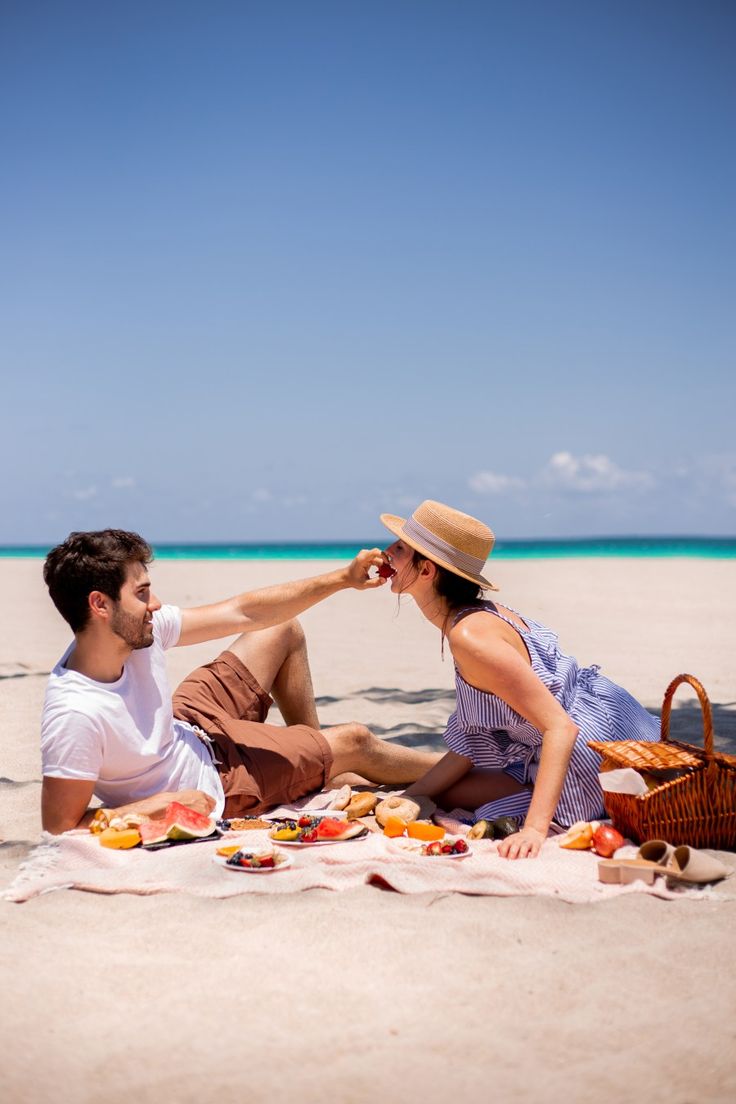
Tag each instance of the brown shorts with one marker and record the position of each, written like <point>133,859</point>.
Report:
<point>260,765</point>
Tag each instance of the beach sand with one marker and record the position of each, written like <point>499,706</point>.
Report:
<point>323,997</point>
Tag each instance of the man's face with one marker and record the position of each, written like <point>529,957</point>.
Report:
<point>132,614</point>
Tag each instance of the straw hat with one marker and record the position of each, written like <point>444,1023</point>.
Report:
<point>453,540</point>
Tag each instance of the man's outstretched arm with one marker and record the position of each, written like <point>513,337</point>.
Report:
<point>260,609</point>
<point>65,803</point>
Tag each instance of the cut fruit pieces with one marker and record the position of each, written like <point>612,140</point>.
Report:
<point>423,830</point>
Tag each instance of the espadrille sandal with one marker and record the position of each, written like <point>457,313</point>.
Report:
<point>687,864</point>
<point>656,851</point>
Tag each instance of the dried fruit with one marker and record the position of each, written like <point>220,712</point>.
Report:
<point>606,841</point>
<point>99,822</point>
<point>423,830</point>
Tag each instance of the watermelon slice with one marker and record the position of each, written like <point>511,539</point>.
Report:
<point>330,828</point>
<point>177,823</point>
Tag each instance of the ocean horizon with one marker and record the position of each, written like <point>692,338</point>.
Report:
<point>560,548</point>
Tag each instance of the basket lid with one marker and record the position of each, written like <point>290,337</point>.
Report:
<point>644,755</point>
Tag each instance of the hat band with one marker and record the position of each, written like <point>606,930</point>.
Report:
<point>414,530</point>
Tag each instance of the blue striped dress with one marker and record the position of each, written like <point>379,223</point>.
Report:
<point>488,731</point>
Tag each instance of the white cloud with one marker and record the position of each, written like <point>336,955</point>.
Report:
<point>719,471</point>
<point>261,494</point>
<point>85,493</point>
<point>591,473</point>
<point>122,482</point>
<point>487,482</point>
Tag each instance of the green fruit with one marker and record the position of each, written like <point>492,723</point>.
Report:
<point>505,826</point>
<point>482,829</point>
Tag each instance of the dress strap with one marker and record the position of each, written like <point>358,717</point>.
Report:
<point>487,608</point>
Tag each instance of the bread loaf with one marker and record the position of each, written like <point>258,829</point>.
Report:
<point>361,804</point>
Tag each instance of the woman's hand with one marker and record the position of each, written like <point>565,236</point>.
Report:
<point>524,844</point>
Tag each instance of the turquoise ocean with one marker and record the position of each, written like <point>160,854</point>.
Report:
<point>721,548</point>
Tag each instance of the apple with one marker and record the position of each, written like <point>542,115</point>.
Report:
<point>606,841</point>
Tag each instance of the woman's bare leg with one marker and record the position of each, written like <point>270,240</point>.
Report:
<point>478,787</point>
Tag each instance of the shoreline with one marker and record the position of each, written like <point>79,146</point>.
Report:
<point>617,548</point>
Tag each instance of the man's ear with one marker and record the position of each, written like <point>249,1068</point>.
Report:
<point>99,605</point>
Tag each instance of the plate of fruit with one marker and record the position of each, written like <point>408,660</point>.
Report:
<point>308,831</point>
<point>449,847</point>
<point>251,862</point>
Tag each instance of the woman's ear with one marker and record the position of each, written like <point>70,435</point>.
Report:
<point>428,570</point>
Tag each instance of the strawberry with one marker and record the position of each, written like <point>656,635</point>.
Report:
<point>385,570</point>
<point>460,847</point>
<point>304,821</point>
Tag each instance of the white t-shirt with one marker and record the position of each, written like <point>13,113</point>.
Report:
<point>122,735</point>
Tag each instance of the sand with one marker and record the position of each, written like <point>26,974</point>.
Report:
<point>347,997</point>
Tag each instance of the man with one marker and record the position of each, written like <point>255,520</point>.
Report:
<point>111,730</point>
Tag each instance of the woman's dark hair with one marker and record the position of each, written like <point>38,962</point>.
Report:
<point>456,591</point>
<point>87,562</point>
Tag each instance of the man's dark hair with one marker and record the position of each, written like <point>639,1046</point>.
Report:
<point>87,562</point>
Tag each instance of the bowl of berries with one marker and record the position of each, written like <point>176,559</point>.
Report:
<point>450,847</point>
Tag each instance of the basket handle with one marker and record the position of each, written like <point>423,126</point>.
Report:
<point>704,705</point>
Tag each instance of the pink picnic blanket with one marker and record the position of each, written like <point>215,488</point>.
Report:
<point>77,861</point>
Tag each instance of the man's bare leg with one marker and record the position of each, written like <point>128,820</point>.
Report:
<point>277,658</point>
<point>356,750</point>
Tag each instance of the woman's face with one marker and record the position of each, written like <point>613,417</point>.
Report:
<point>401,557</point>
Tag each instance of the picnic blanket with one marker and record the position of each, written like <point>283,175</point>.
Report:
<point>77,861</point>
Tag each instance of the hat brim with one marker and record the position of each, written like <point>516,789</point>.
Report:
<point>396,524</point>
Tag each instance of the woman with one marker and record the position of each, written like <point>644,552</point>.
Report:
<point>525,711</point>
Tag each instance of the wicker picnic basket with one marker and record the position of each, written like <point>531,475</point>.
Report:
<point>697,808</point>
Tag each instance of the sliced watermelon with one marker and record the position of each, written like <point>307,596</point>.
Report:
<point>330,828</point>
<point>177,823</point>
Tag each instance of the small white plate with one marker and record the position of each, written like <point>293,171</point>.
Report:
<point>414,847</point>
<point>221,860</point>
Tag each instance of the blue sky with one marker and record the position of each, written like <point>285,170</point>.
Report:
<point>268,269</point>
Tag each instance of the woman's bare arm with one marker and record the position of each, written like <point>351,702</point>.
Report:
<point>491,663</point>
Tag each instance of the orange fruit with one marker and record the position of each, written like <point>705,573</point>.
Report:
<point>394,826</point>
<point>423,830</point>
<point>121,840</point>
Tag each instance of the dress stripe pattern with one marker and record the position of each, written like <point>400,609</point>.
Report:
<point>490,733</point>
